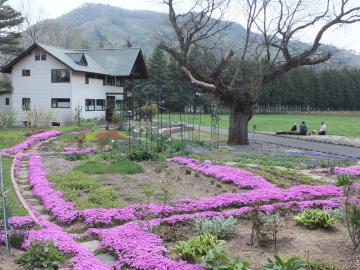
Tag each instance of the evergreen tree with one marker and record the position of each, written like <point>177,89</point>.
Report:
<point>9,38</point>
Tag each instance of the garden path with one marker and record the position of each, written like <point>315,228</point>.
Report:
<point>35,204</point>
<point>343,150</point>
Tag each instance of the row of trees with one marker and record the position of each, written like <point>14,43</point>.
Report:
<point>300,89</point>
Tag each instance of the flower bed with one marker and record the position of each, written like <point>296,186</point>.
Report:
<point>352,170</point>
<point>82,260</point>
<point>239,177</point>
<point>136,247</point>
<point>52,200</point>
<point>29,141</point>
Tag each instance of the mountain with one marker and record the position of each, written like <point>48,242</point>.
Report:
<point>109,26</point>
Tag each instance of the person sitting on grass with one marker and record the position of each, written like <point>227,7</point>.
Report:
<point>303,128</point>
<point>293,131</point>
<point>322,130</point>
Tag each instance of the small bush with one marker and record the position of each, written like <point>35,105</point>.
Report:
<point>188,171</point>
<point>42,255</point>
<point>344,180</point>
<point>119,120</point>
<point>313,218</point>
<point>103,197</point>
<point>142,153</point>
<point>223,228</point>
<point>193,249</point>
<point>280,264</point>
<point>7,119</point>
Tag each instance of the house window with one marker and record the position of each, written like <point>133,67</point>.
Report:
<point>86,79</point>
<point>100,104</point>
<point>60,103</point>
<point>43,56</point>
<point>26,72</point>
<point>26,104</point>
<point>60,75</point>
<point>37,55</point>
<point>110,80</point>
<point>7,101</point>
<point>89,104</point>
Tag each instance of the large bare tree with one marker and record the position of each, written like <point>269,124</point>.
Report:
<point>267,51</point>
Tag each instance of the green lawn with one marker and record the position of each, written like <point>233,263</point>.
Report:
<point>118,166</point>
<point>346,125</point>
<point>15,207</point>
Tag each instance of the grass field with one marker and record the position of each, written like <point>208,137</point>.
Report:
<point>346,125</point>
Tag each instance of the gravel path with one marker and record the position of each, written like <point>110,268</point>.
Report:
<point>301,144</point>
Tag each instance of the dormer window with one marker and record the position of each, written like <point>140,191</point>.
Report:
<point>40,55</point>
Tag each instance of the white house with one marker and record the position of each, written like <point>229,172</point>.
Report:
<point>56,80</point>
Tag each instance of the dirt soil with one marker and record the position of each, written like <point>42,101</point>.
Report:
<point>59,165</point>
<point>7,262</point>
<point>330,245</point>
<point>172,176</point>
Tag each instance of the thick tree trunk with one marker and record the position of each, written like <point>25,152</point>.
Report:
<point>240,115</point>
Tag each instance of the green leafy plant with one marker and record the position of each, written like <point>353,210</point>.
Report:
<point>215,259</point>
<point>75,156</point>
<point>223,228</point>
<point>193,249</point>
<point>313,218</point>
<point>140,153</point>
<point>42,255</point>
<point>286,264</point>
<point>344,180</point>
<point>119,120</point>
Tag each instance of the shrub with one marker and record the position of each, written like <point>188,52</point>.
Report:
<point>352,213</point>
<point>223,228</point>
<point>279,264</point>
<point>215,259</point>
<point>42,255</point>
<point>141,153</point>
<point>265,228</point>
<point>7,119</point>
<point>313,218</point>
<point>193,249</point>
<point>344,180</point>
<point>103,197</point>
<point>119,120</point>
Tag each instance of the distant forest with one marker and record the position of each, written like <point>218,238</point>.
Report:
<point>302,89</point>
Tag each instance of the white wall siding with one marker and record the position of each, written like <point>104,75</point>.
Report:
<point>3,106</point>
<point>38,86</point>
<point>82,91</point>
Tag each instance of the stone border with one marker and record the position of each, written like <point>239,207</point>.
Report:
<point>18,193</point>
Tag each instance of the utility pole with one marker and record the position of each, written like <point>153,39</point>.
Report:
<point>4,206</point>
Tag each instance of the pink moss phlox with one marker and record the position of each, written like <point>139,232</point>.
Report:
<point>52,200</point>
<point>18,159</point>
<point>138,248</point>
<point>32,139</point>
<point>352,170</point>
<point>239,177</point>
<point>82,260</point>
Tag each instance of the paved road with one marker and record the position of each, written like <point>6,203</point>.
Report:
<point>302,144</point>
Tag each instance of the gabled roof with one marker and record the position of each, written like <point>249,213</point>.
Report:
<point>114,62</point>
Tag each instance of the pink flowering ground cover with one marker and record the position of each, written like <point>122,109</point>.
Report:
<point>352,170</point>
<point>237,176</point>
<point>29,141</point>
<point>138,248</point>
<point>82,258</point>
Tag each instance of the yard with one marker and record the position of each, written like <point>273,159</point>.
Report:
<point>144,207</point>
<point>338,124</point>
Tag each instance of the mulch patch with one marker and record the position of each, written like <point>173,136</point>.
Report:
<point>113,134</point>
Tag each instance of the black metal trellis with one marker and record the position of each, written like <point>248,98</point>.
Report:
<point>144,128</point>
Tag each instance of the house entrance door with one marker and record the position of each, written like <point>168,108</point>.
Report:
<point>110,107</point>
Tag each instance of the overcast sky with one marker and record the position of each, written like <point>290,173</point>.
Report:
<point>346,38</point>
